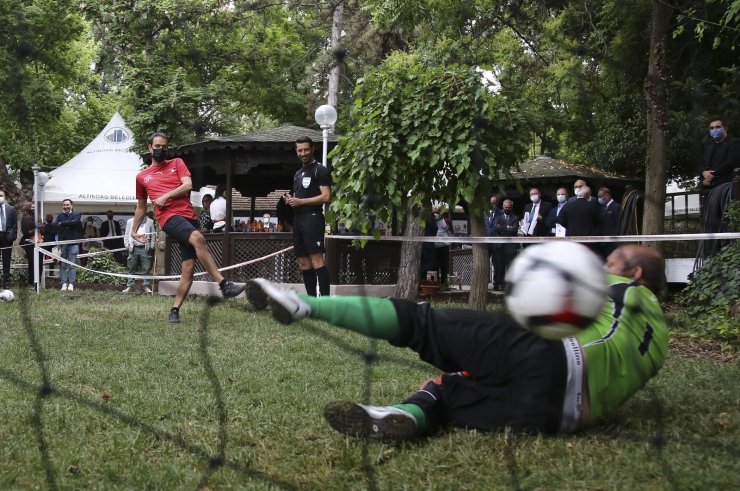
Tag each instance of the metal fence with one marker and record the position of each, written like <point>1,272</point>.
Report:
<point>375,264</point>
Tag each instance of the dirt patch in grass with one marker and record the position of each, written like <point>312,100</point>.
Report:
<point>705,349</point>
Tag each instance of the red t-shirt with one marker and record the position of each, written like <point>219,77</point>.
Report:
<point>159,179</point>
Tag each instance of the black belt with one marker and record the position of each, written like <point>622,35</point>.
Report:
<point>138,247</point>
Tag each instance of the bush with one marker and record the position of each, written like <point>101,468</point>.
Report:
<point>714,289</point>
<point>102,262</point>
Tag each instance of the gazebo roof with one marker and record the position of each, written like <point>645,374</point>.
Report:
<point>286,134</point>
<point>544,167</point>
<point>259,162</point>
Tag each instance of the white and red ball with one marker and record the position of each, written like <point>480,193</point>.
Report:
<point>6,296</point>
<point>556,289</point>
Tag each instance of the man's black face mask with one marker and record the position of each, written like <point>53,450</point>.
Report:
<point>159,154</point>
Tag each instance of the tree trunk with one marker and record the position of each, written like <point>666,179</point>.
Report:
<point>656,165</point>
<point>408,270</point>
<point>481,266</point>
<point>336,32</point>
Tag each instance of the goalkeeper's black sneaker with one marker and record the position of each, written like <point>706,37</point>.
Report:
<point>229,289</point>
<point>382,422</point>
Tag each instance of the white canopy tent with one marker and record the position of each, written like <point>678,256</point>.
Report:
<point>101,177</point>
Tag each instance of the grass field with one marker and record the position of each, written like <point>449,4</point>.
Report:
<point>230,399</point>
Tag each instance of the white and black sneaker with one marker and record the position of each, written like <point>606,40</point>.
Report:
<point>284,303</point>
<point>256,295</point>
<point>381,422</point>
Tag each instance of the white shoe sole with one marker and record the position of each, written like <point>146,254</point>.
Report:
<point>352,419</point>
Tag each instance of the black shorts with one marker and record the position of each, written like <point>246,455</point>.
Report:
<point>516,378</point>
<point>308,233</point>
<point>180,228</point>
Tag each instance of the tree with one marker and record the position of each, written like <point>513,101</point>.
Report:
<point>655,93</point>
<point>423,132</point>
<point>49,106</point>
<point>203,67</point>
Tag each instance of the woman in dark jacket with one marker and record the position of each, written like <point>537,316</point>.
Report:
<point>28,238</point>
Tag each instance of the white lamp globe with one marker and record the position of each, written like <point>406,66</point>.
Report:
<point>42,178</point>
<point>326,116</point>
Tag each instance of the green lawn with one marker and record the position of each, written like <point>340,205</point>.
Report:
<point>229,399</point>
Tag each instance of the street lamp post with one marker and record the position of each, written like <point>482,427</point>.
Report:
<point>39,181</point>
<point>325,116</point>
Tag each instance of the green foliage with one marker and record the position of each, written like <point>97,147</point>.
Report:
<point>715,289</point>
<point>102,262</point>
<point>197,68</point>
<point>423,132</point>
<point>50,105</point>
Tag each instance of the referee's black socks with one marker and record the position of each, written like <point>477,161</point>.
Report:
<point>309,280</point>
<point>323,275</point>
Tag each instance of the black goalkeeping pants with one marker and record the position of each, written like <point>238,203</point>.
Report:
<point>514,377</point>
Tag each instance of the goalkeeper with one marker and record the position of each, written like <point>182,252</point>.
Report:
<point>497,374</point>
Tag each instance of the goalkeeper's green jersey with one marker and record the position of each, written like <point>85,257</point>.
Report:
<point>625,347</point>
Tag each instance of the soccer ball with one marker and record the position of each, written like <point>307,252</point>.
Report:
<point>6,296</point>
<point>556,289</point>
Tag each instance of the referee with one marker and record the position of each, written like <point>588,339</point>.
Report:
<point>311,190</point>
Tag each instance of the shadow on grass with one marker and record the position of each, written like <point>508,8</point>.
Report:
<point>212,462</point>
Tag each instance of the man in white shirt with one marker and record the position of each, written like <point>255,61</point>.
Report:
<point>140,254</point>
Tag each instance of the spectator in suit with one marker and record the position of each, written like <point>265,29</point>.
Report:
<point>535,213</point>
<point>611,216</point>
<point>489,219</point>
<point>442,249</point>
<point>582,217</point>
<point>551,222</point>
<point>111,228</point>
<point>506,225</point>
<point>8,234</point>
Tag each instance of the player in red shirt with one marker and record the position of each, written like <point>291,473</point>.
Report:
<point>168,184</point>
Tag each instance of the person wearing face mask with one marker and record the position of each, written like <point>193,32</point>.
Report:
<point>68,225</point>
<point>111,228</point>
<point>611,216</point>
<point>551,222</point>
<point>506,225</point>
<point>8,234</point>
<point>534,215</point>
<point>578,190</point>
<point>720,157</point>
<point>582,217</point>
<point>489,220</point>
<point>168,184</point>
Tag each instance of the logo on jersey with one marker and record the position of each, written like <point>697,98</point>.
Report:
<point>306,182</point>
<point>147,178</point>
<point>172,170</point>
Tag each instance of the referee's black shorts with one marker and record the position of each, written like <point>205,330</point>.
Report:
<point>517,379</point>
<point>308,233</point>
